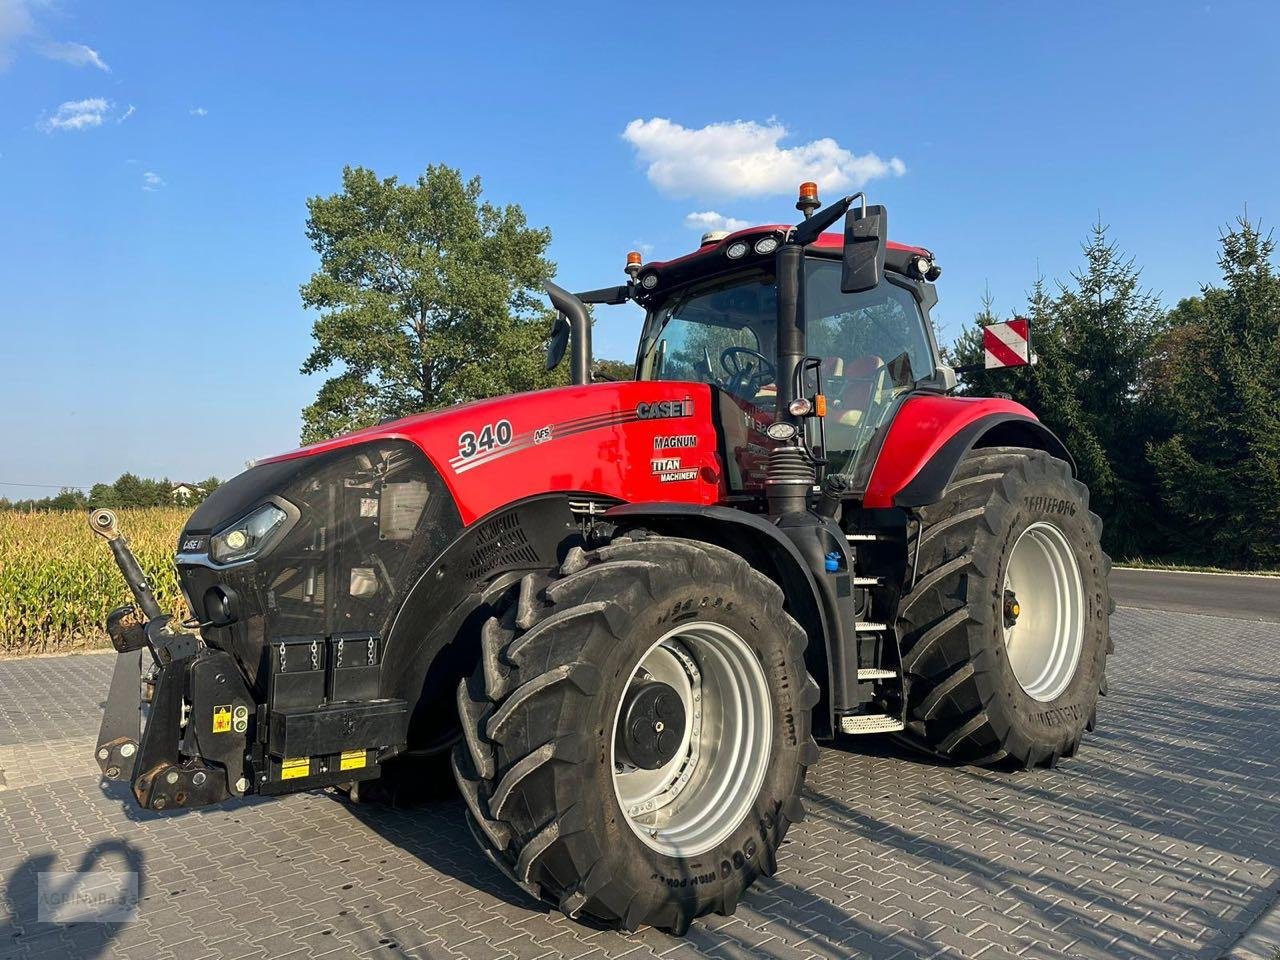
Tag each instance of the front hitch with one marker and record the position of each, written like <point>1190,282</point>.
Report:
<point>189,748</point>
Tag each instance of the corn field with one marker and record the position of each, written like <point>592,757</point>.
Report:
<point>58,580</point>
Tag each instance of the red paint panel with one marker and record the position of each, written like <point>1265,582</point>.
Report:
<point>602,438</point>
<point>919,430</point>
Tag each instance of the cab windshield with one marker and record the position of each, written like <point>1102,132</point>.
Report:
<point>874,347</point>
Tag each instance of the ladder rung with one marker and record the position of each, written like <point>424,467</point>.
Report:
<point>871,723</point>
<point>867,581</point>
<point>875,673</point>
<point>868,627</point>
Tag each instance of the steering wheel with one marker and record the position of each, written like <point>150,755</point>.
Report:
<point>745,376</point>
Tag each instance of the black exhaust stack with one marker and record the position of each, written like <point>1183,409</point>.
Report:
<point>578,332</point>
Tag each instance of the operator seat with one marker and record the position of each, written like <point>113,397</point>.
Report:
<point>861,376</point>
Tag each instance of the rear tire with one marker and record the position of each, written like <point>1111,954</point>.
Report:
<point>539,764</point>
<point>1005,629</point>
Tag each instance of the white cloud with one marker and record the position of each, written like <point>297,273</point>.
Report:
<point>15,24</point>
<point>199,112</point>
<point>127,114</point>
<point>76,54</point>
<point>710,220</point>
<point>76,115</point>
<point>742,158</point>
<point>151,182</point>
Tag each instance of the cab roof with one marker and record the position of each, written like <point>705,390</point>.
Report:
<point>827,242</point>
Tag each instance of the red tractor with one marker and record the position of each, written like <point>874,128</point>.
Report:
<point>624,611</point>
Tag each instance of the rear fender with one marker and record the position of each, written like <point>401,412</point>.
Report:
<point>773,553</point>
<point>931,435</point>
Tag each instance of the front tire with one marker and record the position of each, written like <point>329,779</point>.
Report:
<point>1005,626</point>
<point>637,733</point>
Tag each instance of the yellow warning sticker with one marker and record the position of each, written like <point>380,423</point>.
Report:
<point>222,718</point>
<point>297,767</point>
<point>351,760</point>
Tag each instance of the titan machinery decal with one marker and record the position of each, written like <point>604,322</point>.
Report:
<point>492,441</point>
<point>669,469</point>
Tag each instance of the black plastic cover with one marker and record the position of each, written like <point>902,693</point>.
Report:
<point>371,519</point>
<point>334,727</point>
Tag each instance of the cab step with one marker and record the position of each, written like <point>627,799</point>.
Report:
<point>874,673</point>
<point>867,626</point>
<point>871,723</point>
<point>862,537</point>
<point>867,581</point>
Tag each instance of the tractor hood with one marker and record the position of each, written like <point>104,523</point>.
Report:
<point>325,540</point>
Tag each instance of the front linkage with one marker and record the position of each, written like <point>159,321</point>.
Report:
<point>199,712</point>
<point>188,730</point>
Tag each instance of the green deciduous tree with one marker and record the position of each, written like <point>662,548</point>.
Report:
<point>614,369</point>
<point>428,296</point>
<point>1215,378</point>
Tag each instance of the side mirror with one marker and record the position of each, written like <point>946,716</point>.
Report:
<point>559,341</point>
<point>866,231</point>
<point>944,378</point>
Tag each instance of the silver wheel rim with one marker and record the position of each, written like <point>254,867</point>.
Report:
<point>695,800</point>
<point>1044,642</point>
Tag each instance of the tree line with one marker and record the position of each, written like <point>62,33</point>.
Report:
<point>128,490</point>
<point>1172,415</point>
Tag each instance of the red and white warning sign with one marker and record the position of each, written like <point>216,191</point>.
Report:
<point>1007,344</point>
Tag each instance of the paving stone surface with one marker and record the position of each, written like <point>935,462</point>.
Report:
<point>1160,839</point>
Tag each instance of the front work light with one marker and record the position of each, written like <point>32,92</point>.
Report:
<point>766,245</point>
<point>736,250</point>
<point>244,538</point>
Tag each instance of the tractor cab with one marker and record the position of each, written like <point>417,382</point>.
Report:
<point>860,336</point>
<point>869,349</point>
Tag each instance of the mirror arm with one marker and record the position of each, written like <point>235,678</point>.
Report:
<point>807,232</point>
<point>608,295</point>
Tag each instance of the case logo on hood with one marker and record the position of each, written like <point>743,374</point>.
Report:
<point>664,409</point>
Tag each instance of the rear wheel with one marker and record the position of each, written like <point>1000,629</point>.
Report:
<point>1005,626</point>
<point>637,733</point>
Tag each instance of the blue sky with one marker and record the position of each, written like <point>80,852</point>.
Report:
<point>155,160</point>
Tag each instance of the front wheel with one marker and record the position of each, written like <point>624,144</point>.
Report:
<point>1005,619</point>
<point>637,733</point>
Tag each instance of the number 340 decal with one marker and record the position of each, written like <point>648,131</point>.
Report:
<point>491,437</point>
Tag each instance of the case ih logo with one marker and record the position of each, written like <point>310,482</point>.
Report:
<point>662,409</point>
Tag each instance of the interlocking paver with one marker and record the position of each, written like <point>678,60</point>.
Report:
<point>1158,840</point>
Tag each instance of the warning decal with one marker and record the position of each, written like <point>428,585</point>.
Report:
<point>297,767</point>
<point>1006,344</point>
<point>222,718</point>
<point>352,760</point>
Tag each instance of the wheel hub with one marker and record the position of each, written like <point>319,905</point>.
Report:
<point>651,726</point>
<point>1012,609</point>
<point>1044,632</point>
<point>704,686</point>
